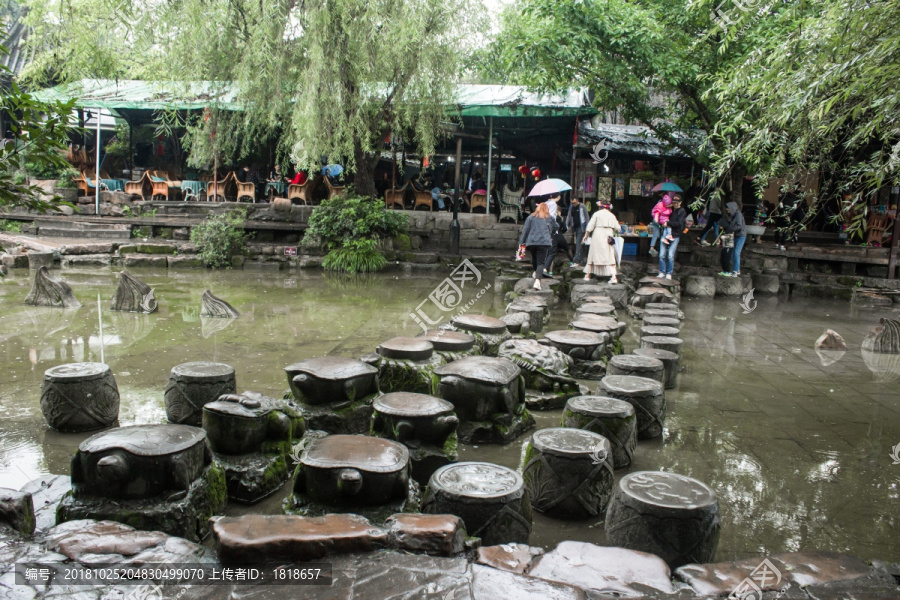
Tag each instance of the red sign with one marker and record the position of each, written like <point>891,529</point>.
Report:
<point>290,251</point>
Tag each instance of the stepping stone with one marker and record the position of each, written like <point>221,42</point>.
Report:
<point>655,321</point>
<point>670,515</point>
<point>613,419</point>
<point>568,472</point>
<point>490,499</point>
<point>645,395</point>
<point>194,384</point>
<point>670,343</point>
<point>600,310</point>
<point>595,324</point>
<point>658,330</point>
<point>699,286</point>
<point>80,397</point>
<point>671,363</point>
<point>729,286</point>
<point>640,366</point>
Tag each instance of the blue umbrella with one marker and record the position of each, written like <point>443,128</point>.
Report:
<point>332,170</point>
<point>667,186</point>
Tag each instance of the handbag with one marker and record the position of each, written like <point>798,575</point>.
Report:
<point>520,253</point>
<point>610,240</point>
<point>727,240</point>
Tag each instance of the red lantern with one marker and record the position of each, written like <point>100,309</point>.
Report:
<point>523,169</point>
<point>536,173</point>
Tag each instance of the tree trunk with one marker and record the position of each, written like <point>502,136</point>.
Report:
<point>364,175</point>
<point>737,184</point>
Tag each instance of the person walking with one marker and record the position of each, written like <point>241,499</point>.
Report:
<point>576,221</point>
<point>602,229</point>
<point>667,250</point>
<point>735,225</point>
<point>558,242</point>
<point>713,214</point>
<point>537,236</point>
<point>659,215</point>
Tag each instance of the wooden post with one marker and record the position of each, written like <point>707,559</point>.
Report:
<point>454,224</point>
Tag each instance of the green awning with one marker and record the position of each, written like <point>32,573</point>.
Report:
<point>518,101</point>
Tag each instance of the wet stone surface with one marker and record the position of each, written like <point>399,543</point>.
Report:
<point>445,340</point>
<point>641,366</point>
<point>659,330</point>
<point>601,310</point>
<point>489,332</point>
<point>670,515</point>
<point>331,380</point>
<point>546,371</point>
<point>645,395</point>
<point>406,348</point>
<point>491,499</point>
<point>655,321</point>
<point>515,558</point>
<point>670,360</point>
<point>193,384</point>
<point>568,472</point>
<point>613,419</point>
<point>80,397</point>
<point>596,324</point>
<point>672,344</point>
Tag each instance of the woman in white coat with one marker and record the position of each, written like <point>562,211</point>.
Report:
<point>602,229</point>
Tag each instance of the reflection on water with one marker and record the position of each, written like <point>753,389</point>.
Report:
<point>796,444</point>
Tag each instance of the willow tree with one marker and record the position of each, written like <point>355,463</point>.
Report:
<point>333,77</point>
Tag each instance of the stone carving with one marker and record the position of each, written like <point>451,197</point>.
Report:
<point>614,419</point>
<point>488,331</point>
<point>424,424</point>
<point>568,472</point>
<point>652,293</point>
<point>884,338</point>
<point>641,366</point>
<point>666,514</point>
<point>587,349</point>
<point>193,384</point>
<point>488,395</point>
<point>216,307</point>
<point>517,323</point>
<point>134,295</point>
<point>536,307</point>
<point>405,364</point>
<point>154,477</point>
<point>491,500</point>
<point>80,397</point>
<point>700,286</point>
<point>353,473</point>
<point>546,372</point>
<point>645,395</point>
<point>334,392</point>
<point>17,510</point>
<point>451,345</point>
<point>252,437</point>
<point>46,291</point>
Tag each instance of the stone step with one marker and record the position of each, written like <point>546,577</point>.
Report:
<point>68,225</point>
<point>94,234</point>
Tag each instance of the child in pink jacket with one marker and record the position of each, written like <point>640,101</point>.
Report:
<point>661,213</point>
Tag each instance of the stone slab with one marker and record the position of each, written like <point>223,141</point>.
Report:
<point>515,558</point>
<point>442,535</point>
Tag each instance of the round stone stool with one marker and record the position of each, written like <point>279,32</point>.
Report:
<point>670,360</point>
<point>664,306</point>
<point>672,313</point>
<point>645,395</point>
<point>596,324</point>
<point>80,397</point>
<point>639,366</point>
<point>666,514</point>
<point>445,340</point>
<point>699,286</point>
<point>406,348</point>
<point>613,419</point>
<point>663,342</point>
<point>568,472</point>
<point>655,321</point>
<point>490,499</point>
<point>193,384</point>
<point>601,310</point>
<point>654,330</point>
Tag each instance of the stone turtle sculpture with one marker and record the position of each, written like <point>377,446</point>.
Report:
<point>46,291</point>
<point>240,424</point>
<point>545,369</point>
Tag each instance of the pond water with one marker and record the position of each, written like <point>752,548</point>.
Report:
<point>798,452</point>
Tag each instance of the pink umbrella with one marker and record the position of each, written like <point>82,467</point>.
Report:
<point>549,187</point>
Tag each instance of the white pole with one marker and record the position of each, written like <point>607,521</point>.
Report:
<point>97,173</point>
<point>490,158</point>
<point>100,318</point>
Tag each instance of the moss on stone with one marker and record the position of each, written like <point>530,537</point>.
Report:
<point>402,243</point>
<point>451,445</point>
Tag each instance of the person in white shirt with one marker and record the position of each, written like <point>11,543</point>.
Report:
<point>551,206</point>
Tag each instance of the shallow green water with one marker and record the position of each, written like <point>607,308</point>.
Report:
<point>798,452</point>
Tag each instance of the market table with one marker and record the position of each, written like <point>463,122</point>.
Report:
<point>191,189</point>
<point>279,187</point>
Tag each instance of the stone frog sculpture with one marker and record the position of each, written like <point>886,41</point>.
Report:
<point>546,371</point>
<point>250,422</point>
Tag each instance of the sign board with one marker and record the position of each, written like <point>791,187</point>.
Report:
<point>290,250</point>
<point>506,167</point>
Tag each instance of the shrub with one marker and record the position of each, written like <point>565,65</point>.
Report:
<point>67,178</point>
<point>12,226</point>
<point>220,237</point>
<point>350,228</point>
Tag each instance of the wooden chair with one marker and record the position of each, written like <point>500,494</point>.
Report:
<point>303,192</point>
<point>222,188</point>
<point>84,184</point>
<point>478,200</point>
<point>394,197</point>
<point>334,190</point>
<point>142,187</point>
<point>509,204</point>
<point>875,228</point>
<point>246,190</point>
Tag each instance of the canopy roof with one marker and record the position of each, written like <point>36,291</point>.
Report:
<point>472,100</point>
<point>634,139</point>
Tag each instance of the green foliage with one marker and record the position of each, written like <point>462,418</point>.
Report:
<point>11,226</point>
<point>356,256</point>
<point>341,220</point>
<point>66,177</point>
<point>220,237</point>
